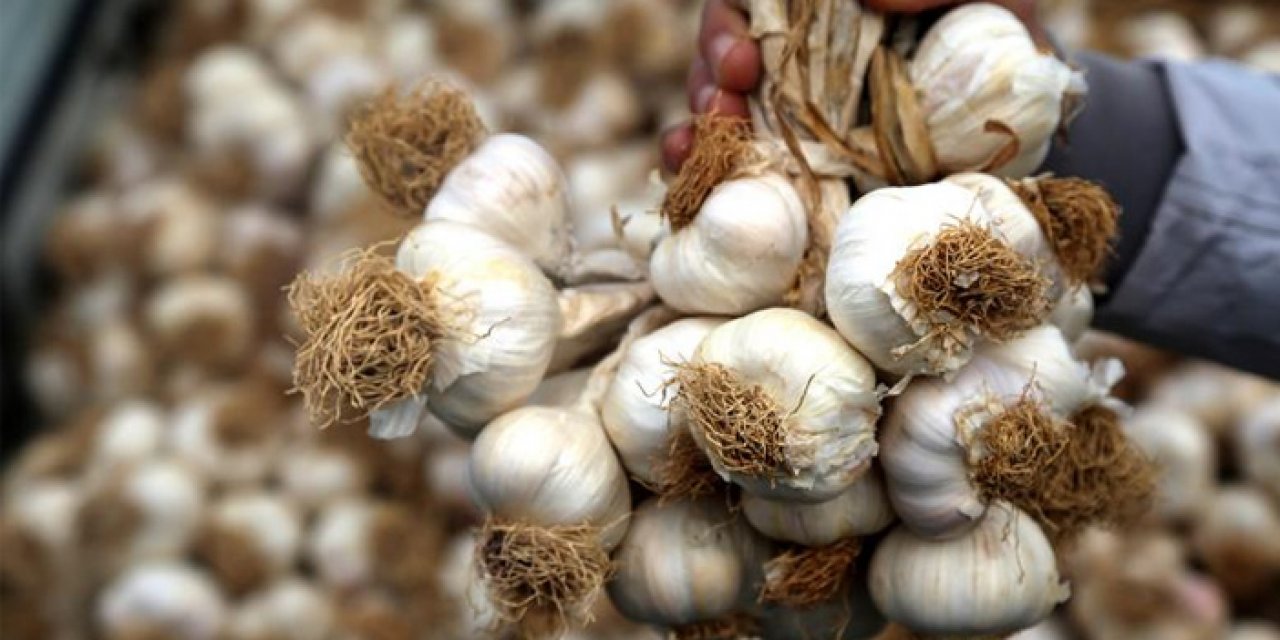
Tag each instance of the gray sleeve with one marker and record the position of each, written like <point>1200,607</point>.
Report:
<point>1192,154</point>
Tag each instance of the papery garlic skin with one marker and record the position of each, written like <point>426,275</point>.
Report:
<point>181,225</point>
<point>313,476</point>
<point>510,315</point>
<point>338,544</point>
<point>739,254</point>
<point>1258,446</point>
<point>270,524</point>
<point>1162,34</point>
<point>863,301</point>
<point>46,509</point>
<point>860,510</point>
<point>1184,454</point>
<point>169,498</point>
<point>686,561</point>
<point>924,437</point>
<point>825,387</point>
<point>635,409</point>
<point>976,65</point>
<point>851,615</point>
<point>291,609</point>
<point>170,599</point>
<point>182,307</point>
<point>546,466</point>
<point>1001,576</point>
<point>513,189</point>
<point>1073,313</point>
<point>195,438</point>
<point>132,432</point>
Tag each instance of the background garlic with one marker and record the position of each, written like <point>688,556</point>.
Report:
<point>249,539</point>
<point>148,512</point>
<point>801,405</point>
<point>850,616</point>
<point>685,562</point>
<point>290,608</point>
<point>860,510</point>
<point>1238,537</point>
<point>209,319</point>
<point>229,434</point>
<point>1258,446</point>
<point>897,290</point>
<point>999,577</point>
<point>165,599</point>
<point>1184,455</point>
<point>739,253</point>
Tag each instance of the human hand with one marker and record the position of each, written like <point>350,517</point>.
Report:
<point>727,65</point>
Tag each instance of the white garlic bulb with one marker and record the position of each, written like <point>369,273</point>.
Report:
<point>977,66</point>
<point>561,389</point>
<point>810,402</point>
<point>226,438</point>
<point>290,609</point>
<point>338,186</point>
<point>1257,441</point>
<point>150,512</point>
<point>259,532</point>
<point>338,543</point>
<point>207,318</point>
<point>635,408</point>
<point>740,252</point>
<point>999,577</point>
<point>512,322</point>
<point>930,439</point>
<point>1073,313</point>
<point>869,285</point>
<point>130,433</point>
<point>1015,224</point>
<point>860,510</point>
<point>310,40</point>
<point>339,84</point>
<point>1184,453</point>
<point>314,476</point>
<point>407,45</point>
<point>513,189</point>
<point>163,598</point>
<point>46,509</point>
<point>121,365</point>
<point>547,466</point>
<point>1233,26</point>
<point>685,562</point>
<point>181,223</point>
<point>224,71</point>
<point>1214,395</point>
<point>1162,34</point>
<point>1238,537</point>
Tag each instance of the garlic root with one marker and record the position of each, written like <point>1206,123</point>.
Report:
<point>807,576</point>
<point>1078,218</point>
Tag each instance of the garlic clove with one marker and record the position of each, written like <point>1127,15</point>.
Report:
<point>997,578</point>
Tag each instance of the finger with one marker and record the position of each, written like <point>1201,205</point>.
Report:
<point>677,142</point>
<point>725,43</point>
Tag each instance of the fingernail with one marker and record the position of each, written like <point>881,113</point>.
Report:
<point>720,48</point>
<point>703,99</point>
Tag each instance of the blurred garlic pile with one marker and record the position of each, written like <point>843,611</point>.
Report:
<point>557,396</point>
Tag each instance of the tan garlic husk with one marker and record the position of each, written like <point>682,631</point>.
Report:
<point>685,562</point>
<point>1238,538</point>
<point>557,502</point>
<point>290,607</point>
<point>1184,454</point>
<point>473,326</point>
<point>803,405</point>
<point>950,449</point>
<point>163,598</point>
<point>998,577</point>
<point>249,539</point>
<point>636,409</point>
<point>860,510</point>
<point>919,276</point>
<point>1257,440</point>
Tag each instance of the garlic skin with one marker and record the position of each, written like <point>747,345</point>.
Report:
<point>181,226</point>
<point>132,432</point>
<point>338,187</point>
<point>1257,441</point>
<point>195,438</point>
<point>47,510</point>
<point>1162,34</point>
<point>686,561</point>
<point>827,389</point>
<point>407,45</point>
<point>169,599</point>
<point>977,65</point>
<point>1238,537</point>
<point>924,436</point>
<point>1184,454</point>
<point>863,301</point>
<point>511,322</point>
<point>311,39</point>
<point>862,509</point>
<point>635,408</point>
<point>314,476</point>
<point>169,499</point>
<point>338,544</point>
<point>290,609</point>
<point>545,466</point>
<point>560,390</point>
<point>1000,577</point>
<point>209,318</point>
<point>511,188</point>
<point>1073,313</point>
<point>270,524</point>
<point>227,70</point>
<point>739,254</point>
<point>851,615</point>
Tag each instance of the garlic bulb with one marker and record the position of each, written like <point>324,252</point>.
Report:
<point>860,510</point>
<point>130,433</point>
<point>997,578</point>
<point>149,512</point>
<point>338,187</point>
<point>337,85</point>
<point>1073,313</point>
<point>1162,34</point>
<point>918,275</point>
<point>289,609</point>
<point>1257,441</point>
<point>181,226</point>
<point>249,539</point>
<point>314,476</point>
<point>338,544</point>
<point>357,543</point>
<point>739,253</point>
<point>463,324</point>
<point>990,97</point>
<point>557,501</point>
<point>635,408</point>
<point>804,405</point>
<point>1184,454</point>
<point>227,70</point>
<point>46,509</point>
<point>1238,537</point>
<point>685,562</point>
<point>1233,26</point>
<point>162,599</point>
<point>850,616</point>
<point>561,389</point>
<point>1213,395</point>
<point>228,434</point>
<point>313,38</point>
<point>407,45</point>
<point>121,365</point>
<point>207,319</point>
<point>945,456</point>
